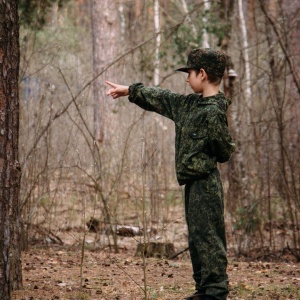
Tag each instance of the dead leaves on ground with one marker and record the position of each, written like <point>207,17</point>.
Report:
<point>50,274</point>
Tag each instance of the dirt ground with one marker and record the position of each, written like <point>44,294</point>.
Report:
<point>52,265</point>
<point>53,272</point>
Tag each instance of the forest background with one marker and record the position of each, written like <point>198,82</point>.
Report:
<point>84,156</point>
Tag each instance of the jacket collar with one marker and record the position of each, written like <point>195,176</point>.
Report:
<point>219,99</point>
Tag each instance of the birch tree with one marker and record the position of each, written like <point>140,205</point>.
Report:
<point>240,124</point>
<point>245,52</point>
<point>188,18</point>
<point>245,93</point>
<point>157,40</point>
<point>10,258</point>
<point>205,37</point>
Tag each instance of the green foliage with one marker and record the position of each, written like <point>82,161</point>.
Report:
<point>214,25</point>
<point>34,13</point>
<point>183,38</point>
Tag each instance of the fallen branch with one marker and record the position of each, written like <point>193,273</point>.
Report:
<point>177,254</point>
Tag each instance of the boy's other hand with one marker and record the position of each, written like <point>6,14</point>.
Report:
<point>117,90</point>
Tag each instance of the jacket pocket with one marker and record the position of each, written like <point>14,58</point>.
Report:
<point>196,141</point>
<point>195,162</point>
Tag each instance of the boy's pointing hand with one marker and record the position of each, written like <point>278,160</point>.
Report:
<point>117,90</point>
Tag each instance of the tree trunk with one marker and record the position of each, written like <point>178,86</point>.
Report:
<point>205,37</point>
<point>105,28</point>
<point>157,42</point>
<point>284,179</point>
<point>10,258</point>
<point>245,54</point>
<point>245,92</point>
<point>189,20</point>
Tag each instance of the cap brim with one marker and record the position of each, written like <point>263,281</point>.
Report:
<point>183,69</point>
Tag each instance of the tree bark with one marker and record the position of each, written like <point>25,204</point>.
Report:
<point>10,252</point>
<point>205,36</point>
<point>245,53</point>
<point>105,31</point>
<point>157,42</point>
<point>105,28</point>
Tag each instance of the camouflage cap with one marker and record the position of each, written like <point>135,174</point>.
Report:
<point>212,61</point>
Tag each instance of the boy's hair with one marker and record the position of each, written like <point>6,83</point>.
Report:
<point>212,78</point>
<point>212,61</point>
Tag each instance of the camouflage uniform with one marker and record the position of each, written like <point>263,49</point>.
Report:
<point>202,140</point>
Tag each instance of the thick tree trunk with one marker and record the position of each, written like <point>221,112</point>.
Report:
<point>105,28</point>
<point>10,252</point>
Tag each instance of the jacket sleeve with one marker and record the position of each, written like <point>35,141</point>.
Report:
<point>221,143</point>
<point>158,100</point>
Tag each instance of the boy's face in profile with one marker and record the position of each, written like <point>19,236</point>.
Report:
<point>195,80</point>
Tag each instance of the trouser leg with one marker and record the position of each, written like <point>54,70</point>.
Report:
<point>204,207</point>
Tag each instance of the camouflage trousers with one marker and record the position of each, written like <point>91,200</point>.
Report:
<point>204,209</point>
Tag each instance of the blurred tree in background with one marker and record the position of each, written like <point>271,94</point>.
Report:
<point>34,13</point>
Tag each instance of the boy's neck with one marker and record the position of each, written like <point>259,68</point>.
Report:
<point>210,90</point>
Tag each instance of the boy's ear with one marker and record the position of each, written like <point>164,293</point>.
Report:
<point>203,73</point>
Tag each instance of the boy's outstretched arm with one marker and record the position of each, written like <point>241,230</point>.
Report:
<point>117,90</point>
<point>155,99</point>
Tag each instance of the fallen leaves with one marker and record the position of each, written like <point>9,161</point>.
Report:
<point>50,274</point>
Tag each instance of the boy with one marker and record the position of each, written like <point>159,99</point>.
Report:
<point>202,140</point>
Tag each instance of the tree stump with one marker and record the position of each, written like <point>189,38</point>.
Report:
<point>151,249</point>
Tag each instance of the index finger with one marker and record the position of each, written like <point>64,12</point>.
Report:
<point>111,84</point>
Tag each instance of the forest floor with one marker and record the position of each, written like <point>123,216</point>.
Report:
<point>54,272</point>
<point>56,266</point>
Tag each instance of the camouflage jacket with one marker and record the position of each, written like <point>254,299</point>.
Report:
<point>202,135</point>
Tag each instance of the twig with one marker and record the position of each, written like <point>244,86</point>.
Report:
<point>177,254</point>
<point>109,65</point>
<point>284,48</point>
